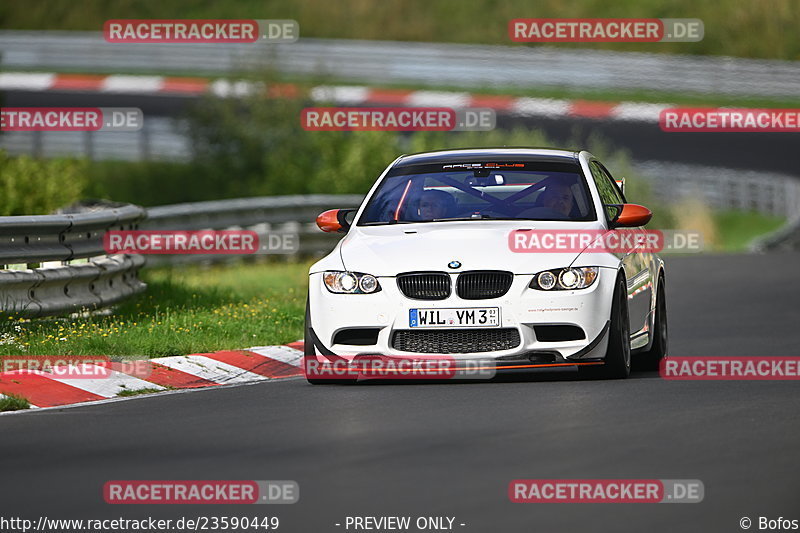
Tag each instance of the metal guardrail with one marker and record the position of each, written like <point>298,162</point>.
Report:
<point>266,216</point>
<point>454,65</point>
<point>769,193</point>
<point>786,238</point>
<point>160,139</point>
<point>245,212</point>
<point>70,288</point>
<point>61,264</point>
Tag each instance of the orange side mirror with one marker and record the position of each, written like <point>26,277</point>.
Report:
<point>332,221</point>
<point>632,216</point>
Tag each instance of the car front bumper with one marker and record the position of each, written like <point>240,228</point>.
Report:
<point>522,309</point>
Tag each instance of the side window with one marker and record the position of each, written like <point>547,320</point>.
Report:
<point>609,194</point>
<point>614,185</point>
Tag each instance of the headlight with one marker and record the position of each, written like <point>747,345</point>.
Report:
<point>350,282</point>
<point>368,283</point>
<point>546,280</point>
<point>564,279</point>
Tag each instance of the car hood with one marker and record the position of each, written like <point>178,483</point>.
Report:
<point>477,245</point>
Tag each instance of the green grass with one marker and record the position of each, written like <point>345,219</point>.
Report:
<point>12,402</point>
<point>137,392</point>
<point>737,229</point>
<point>185,310</point>
<point>747,28</point>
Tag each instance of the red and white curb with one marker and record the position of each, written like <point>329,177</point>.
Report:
<point>337,94</point>
<point>262,363</point>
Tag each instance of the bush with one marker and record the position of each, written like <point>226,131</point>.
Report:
<point>145,183</point>
<point>39,186</point>
<point>255,146</point>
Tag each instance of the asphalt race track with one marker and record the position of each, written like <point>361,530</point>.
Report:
<point>451,449</point>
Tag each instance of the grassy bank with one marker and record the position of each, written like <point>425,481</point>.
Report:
<point>745,28</point>
<point>186,310</point>
<point>735,230</point>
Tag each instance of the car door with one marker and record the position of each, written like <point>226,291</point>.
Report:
<point>635,262</point>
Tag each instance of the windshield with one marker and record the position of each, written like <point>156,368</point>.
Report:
<point>480,191</point>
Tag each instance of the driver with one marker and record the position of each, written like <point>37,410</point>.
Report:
<point>558,197</point>
<point>435,204</point>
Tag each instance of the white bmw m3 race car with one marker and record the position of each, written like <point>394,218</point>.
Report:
<point>483,254</point>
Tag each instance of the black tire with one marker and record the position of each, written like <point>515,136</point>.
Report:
<point>618,353</point>
<point>651,359</point>
<point>308,350</point>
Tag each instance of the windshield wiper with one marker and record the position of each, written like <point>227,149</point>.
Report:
<point>389,223</point>
<point>479,217</point>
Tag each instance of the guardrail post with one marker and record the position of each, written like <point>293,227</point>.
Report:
<point>37,143</point>
<point>88,144</point>
<point>144,141</point>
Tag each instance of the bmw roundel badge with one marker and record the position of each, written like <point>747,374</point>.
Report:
<point>454,264</point>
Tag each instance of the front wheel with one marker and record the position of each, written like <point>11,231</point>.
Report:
<point>618,353</point>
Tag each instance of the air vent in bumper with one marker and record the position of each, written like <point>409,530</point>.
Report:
<point>357,336</point>
<point>445,341</point>
<point>559,333</point>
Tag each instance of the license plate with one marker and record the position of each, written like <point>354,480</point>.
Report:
<point>484,317</point>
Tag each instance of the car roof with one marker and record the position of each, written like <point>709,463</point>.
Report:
<point>489,154</point>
